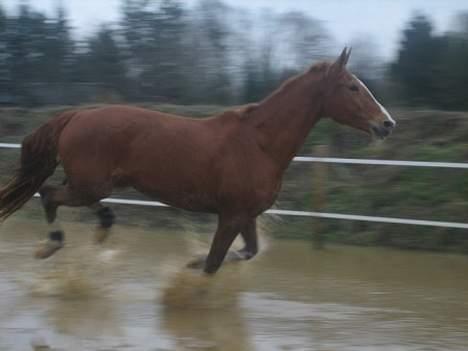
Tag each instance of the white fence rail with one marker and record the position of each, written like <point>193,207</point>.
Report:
<point>392,220</point>
<point>362,161</point>
<point>10,146</point>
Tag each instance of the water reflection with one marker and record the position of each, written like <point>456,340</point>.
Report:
<point>204,312</point>
<point>208,329</point>
<point>84,318</point>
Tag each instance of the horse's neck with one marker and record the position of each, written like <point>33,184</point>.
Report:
<point>284,119</point>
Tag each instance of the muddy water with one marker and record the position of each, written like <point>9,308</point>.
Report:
<point>134,294</point>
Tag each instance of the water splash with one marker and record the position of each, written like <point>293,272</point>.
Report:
<point>77,273</point>
<point>67,282</point>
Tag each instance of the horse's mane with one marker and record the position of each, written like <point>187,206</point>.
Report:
<point>318,68</point>
<point>245,110</point>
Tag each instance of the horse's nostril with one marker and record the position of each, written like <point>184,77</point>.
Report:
<point>388,124</point>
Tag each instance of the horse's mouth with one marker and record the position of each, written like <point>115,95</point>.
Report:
<point>380,132</point>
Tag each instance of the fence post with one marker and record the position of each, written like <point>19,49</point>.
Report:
<point>319,194</point>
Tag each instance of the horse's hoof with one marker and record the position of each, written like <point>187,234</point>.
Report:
<point>245,254</point>
<point>233,256</point>
<point>197,263</point>
<point>47,248</point>
<point>101,235</point>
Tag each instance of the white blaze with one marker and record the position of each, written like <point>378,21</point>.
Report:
<point>384,111</point>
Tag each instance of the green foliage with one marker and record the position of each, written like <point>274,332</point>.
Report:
<point>160,51</point>
<point>155,48</point>
<point>417,60</point>
<point>103,62</point>
<point>431,68</point>
<point>35,49</point>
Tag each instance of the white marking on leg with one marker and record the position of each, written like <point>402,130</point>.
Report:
<point>384,111</point>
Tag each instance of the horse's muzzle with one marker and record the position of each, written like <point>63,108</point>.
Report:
<point>383,130</point>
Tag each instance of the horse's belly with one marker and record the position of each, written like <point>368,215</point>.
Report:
<point>201,201</point>
<point>190,202</point>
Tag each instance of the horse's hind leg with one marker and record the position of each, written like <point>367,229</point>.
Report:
<point>54,196</point>
<point>106,220</point>
<point>249,234</point>
<point>56,235</point>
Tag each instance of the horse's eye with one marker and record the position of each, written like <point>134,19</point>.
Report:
<point>354,87</point>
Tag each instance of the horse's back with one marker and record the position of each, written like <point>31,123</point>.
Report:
<point>113,129</point>
<point>188,163</point>
<point>101,133</point>
<point>151,151</point>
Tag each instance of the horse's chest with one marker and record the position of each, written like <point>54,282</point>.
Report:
<point>265,194</point>
<point>255,192</point>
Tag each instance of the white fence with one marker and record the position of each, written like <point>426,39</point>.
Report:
<point>324,214</point>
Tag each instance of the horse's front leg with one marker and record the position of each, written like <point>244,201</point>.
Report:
<point>228,228</point>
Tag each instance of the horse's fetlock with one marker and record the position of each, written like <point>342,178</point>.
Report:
<point>56,235</point>
<point>106,217</point>
<point>247,254</point>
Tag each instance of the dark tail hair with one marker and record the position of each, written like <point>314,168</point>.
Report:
<point>38,162</point>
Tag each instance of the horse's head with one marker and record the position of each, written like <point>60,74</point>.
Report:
<point>349,101</point>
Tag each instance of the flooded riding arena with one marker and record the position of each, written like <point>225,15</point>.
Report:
<point>133,293</point>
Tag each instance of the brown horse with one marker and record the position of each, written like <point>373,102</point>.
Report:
<point>231,165</point>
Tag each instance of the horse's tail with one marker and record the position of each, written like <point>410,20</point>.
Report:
<point>38,162</point>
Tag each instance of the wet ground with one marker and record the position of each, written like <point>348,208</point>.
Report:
<point>133,293</point>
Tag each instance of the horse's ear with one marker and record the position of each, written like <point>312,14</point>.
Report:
<point>344,57</point>
<point>348,55</point>
<point>341,61</point>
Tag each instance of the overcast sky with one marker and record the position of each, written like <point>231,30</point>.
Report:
<point>345,19</point>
